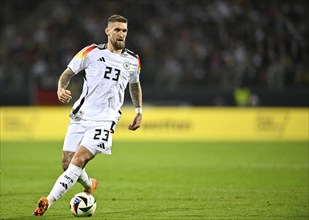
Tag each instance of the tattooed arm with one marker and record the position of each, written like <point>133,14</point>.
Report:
<point>136,96</point>
<point>64,95</point>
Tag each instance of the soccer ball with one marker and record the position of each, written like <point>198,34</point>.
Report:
<point>83,205</point>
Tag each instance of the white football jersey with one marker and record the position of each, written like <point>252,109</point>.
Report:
<point>105,81</point>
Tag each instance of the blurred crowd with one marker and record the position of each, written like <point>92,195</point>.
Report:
<point>220,43</point>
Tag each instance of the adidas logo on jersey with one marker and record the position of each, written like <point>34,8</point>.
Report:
<point>101,59</point>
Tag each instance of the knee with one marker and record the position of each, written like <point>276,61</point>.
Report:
<point>82,157</point>
<point>79,161</point>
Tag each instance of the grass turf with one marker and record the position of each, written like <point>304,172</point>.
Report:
<point>173,180</point>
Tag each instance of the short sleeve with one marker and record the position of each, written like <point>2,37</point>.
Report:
<point>80,61</point>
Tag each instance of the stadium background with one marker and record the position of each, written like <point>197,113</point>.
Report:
<point>211,71</point>
<point>197,53</point>
<point>202,53</point>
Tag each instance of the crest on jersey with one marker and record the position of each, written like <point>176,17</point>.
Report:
<point>126,65</point>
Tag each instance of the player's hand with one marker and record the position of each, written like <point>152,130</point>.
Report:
<point>64,95</point>
<point>136,122</point>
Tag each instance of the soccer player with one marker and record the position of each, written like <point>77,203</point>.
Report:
<point>109,69</point>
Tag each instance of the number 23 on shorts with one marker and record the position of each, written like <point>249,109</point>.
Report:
<point>101,134</point>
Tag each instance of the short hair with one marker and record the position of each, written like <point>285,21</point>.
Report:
<point>117,18</point>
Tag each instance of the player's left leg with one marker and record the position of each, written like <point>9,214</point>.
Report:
<point>67,157</point>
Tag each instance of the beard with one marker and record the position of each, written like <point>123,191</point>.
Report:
<point>118,45</point>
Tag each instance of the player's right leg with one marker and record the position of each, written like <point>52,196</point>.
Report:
<point>66,180</point>
<point>84,180</point>
<point>71,143</point>
<point>71,175</point>
<point>41,207</point>
<point>89,184</point>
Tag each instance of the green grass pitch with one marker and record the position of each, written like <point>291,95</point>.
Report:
<point>165,180</point>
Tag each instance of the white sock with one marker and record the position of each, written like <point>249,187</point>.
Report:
<point>84,180</point>
<point>64,182</point>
